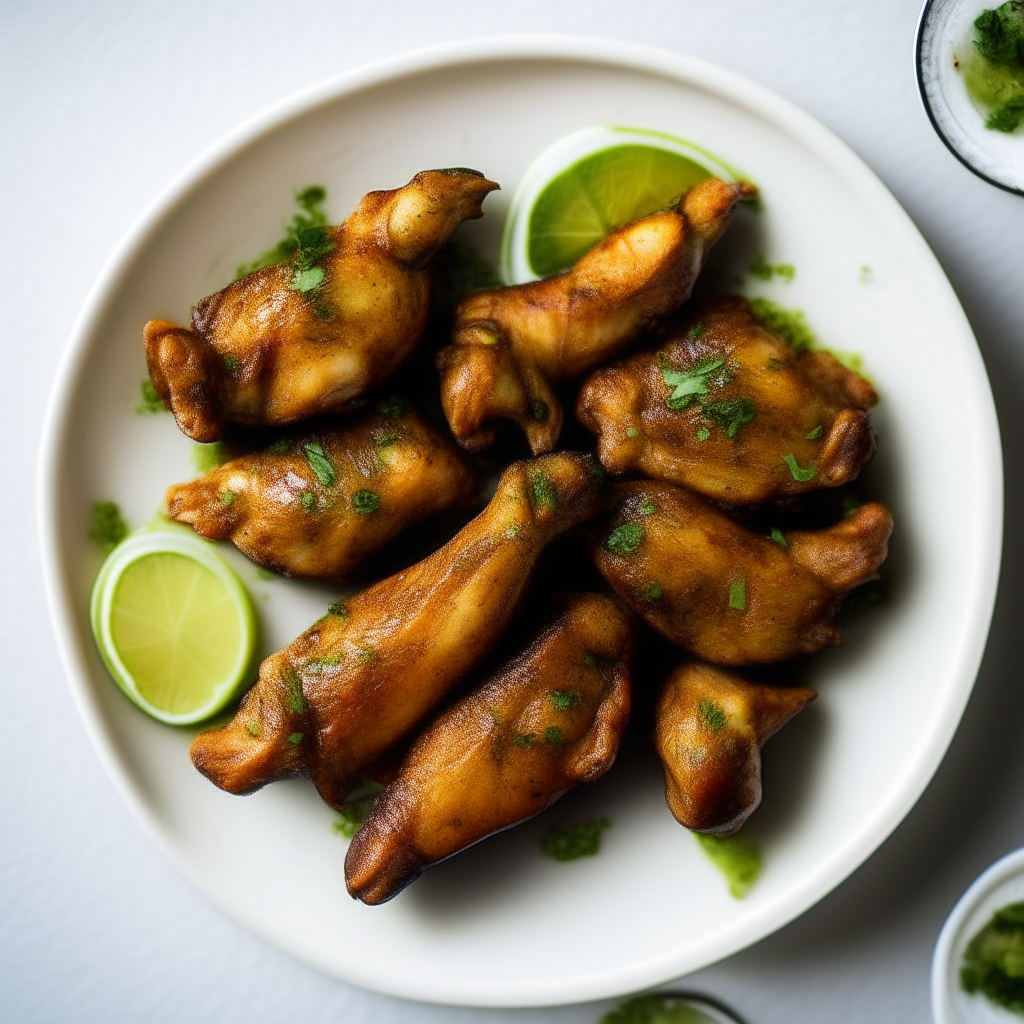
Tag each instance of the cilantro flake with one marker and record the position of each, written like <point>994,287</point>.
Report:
<point>365,502</point>
<point>777,536</point>
<point>731,414</point>
<point>688,384</point>
<point>625,539</point>
<point>814,434</point>
<point>738,594</point>
<point>712,715</point>
<point>319,464</point>
<point>566,700</point>
<point>800,475</point>
<point>571,842</point>
<point>554,735</point>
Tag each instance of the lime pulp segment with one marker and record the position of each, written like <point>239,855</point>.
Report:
<point>599,193</point>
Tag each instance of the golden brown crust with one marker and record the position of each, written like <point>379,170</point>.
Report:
<point>284,515</point>
<point>357,683</point>
<point>261,353</point>
<point>550,719</point>
<point>806,405</point>
<point>512,344</point>
<point>724,593</point>
<point>710,728</point>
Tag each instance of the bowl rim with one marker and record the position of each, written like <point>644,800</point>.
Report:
<point>978,598</point>
<point>942,959</point>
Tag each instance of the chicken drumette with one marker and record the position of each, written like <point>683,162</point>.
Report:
<point>513,344</point>
<point>709,731</point>
<point>315,503</point>
<point>728,409</point>
<point>550,719</point>
<point>307,337</point>
<point>362,678</point>
<point>725,593</point>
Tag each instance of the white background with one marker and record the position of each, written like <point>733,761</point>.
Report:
<point>102,103</point>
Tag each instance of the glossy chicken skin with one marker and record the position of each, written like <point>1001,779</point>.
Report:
<point>361,679</point>
<point>756,403</point>
<point>724,593</point>
<point>262,352</point>
<point>511,345</point>
<point>316,503</point>
<point>549,720</point>
<point>709,731</point>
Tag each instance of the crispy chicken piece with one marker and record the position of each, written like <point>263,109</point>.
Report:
<point>724,407</point>
<point>709,731</point>
<point>724,593</point>
<point>513,344</point>
<point>361,679</point>
<point>550,719</point>
<point>315,504</point>
<point>303,338</point>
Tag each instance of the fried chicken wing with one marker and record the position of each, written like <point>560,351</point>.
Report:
<point>360,680</point>
<point>315,504</point>
<point>510,346</point>
<point>550,719</point>
<point>728,409</point>
<point>709,731</point>
<point>304,338</point>
<point>724,593</point>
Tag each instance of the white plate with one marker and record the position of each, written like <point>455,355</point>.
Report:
<point>501,925</point>
<point>999,885</point>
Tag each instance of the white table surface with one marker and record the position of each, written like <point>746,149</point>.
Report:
<point>101,103</point>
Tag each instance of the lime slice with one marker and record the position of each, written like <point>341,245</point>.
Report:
<point>589,183</point>
<point>174,626</point>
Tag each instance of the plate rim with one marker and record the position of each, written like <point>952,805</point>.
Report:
<point>685,69</point>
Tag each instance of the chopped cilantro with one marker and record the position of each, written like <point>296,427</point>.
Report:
<point>367,654</point>
<point>689,383</point>
<point>386,440</point>
<point>653,592</point>
<point>394,406</point>
<point>712,715</point>
<point>231,363</point>
<point>566,700</point>
<point>773,364</point>
<point>738,594</point>
<point>304,235</point>
<point>1008,116</point>
<point>625,539</point>
<point>319,463</point>
<point>293,691</point>
<point>992,961</point>
<point>296,738</point>
<point>703,433</point>
<point>306,500</point>
<point>542,491</point>
<point>209,456</point>
<point>365,502</point>
<point>338,609</point>
<point>778,537</point>
<point>764,270</point>
<point>814,434</point>
<point>786,271</point>
<point>632,432</point>
<point>698,330</point>
<point>850,505</point>
<point>252,729</point>
<point>590,659</point>
<point>539,411</point>
<point>307,280</point>
<point>323,311</point>
<point>647,507</point>
<point>278,447</point>
<point>554,735</point>
<point>731,414</point>
<point>151,401</point>
<point>525,740</point>
<point>227,498</point>
<point>356,808</point>
<point>789,324</point>
<point>655,1009</point>
<point>737,857</point>
<point>512,533</point>
<point>570,842</point>
<point>999,34</point>
<point>800,475</point>
<point>597,474</point>
<point>108,528</point>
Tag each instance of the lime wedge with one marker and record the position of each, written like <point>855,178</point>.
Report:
<point>174,626</point>
<point>587,184</point>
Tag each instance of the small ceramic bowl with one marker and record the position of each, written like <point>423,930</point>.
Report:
<point>1001,884</point>
<point>944,32</point>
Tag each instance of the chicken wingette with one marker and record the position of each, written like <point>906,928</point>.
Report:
<point>709,729</point>
<point>316,502</point>
<point>512,345</point>
<point>361,679</point>
<point>309,336</point>
<point>545,722</point>
<point>729,409</point>
<point>726,594</point>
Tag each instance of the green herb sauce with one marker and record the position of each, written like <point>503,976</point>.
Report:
<point>356,809</point>
<point>209,456</point>
<point>150,401</point>
<point>992,66</point>
<point>737,857</point>
<point>108,528</point>
<point>310,218</point>
<point>570,842</point>
<point>657,1009</point>
<point>994,960</point>
<point>765,271</point>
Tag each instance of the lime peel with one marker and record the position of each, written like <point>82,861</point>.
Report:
<point>174,626</point>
